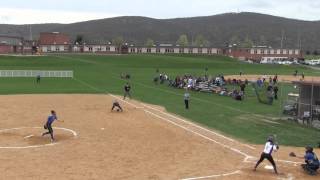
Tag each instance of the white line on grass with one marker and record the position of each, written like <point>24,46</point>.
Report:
<point>193,124</point>
<point>233,149</point>
<point>187,129</point>
<point>167,91</point>
<point>205,137</point>
<point>199,99</point>
<point>210,131</point>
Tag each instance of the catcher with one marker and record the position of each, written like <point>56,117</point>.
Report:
<point>48,124</point>
<point>311,161</point>
<point>267,153</point>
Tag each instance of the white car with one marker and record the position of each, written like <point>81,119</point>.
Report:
<point>287,62</point>
<point>313,62</point>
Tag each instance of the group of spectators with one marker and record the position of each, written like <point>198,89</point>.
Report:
<point>161,78</point>
<point>270,84</point>
<point>217,84</point>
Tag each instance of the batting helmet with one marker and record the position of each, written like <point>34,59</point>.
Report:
<point>270,138</point>
<point>309,148</point>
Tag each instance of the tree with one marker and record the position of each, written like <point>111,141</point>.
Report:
<point>183,40</point>
<point>201,41</point>
<point>149,43</point>
<point>118,41</point>
<point>247,43</point>
<point>79,39</point>
<point>308,52</point>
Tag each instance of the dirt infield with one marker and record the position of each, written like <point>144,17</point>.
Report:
<point>143,142</point>
<point>281,78</point>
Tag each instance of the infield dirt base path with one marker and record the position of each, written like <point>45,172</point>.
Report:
<point>143,142</point>
<point>281,78</point>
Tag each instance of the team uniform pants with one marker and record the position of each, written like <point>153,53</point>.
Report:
<point>312,167</point>
<point>126,93</point>
<point>186,102</point>
<point>269,158</point>
<point>50,130</point>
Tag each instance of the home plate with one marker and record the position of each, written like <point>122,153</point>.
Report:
<point>28,136</point>
<point>102,129</point>
<point>268,167</point>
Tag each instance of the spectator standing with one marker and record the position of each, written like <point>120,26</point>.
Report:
<point>275,91</point>
<point>270,95</point>
<point>275,79</point>
<point>242,87</point>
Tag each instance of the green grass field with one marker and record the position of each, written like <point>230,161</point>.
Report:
<point>244,120</point>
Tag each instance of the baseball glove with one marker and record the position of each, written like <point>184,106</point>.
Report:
<point>292,154</point>
<point>45,126</point>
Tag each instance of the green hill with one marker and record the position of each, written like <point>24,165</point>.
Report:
<point>218,30</point>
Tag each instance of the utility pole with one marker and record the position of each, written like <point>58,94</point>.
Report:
<point>191,38</point>
<point>282,38</point>
<point>30,31</point>
<point>300,42</point>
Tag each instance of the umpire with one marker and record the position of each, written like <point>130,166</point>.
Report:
<point>186,99</point>
<point>127,89</point>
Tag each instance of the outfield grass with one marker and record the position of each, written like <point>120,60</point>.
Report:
<point>244,120</point>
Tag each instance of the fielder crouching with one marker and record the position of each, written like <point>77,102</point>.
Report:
<point>267,153</point>
<point>116,104</point>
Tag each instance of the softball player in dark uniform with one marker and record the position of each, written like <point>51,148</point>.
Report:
<point>48,124</point>
<point>116,104</point>
<point>127,89</point>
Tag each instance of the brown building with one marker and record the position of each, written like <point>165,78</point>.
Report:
<point>11,45</point>
<point>258,54</point>
<point>54,42</point>
<point>172,49</point>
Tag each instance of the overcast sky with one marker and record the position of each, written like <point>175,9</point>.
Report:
<point>68,11</point>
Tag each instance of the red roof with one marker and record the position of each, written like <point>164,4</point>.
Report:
<point>54,39</point>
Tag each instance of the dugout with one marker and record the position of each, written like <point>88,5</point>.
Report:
<point>309,102</point>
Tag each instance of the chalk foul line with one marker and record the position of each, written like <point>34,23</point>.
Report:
<point>246,159</point>
<point>200,127</point>
<point>213,176</point>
